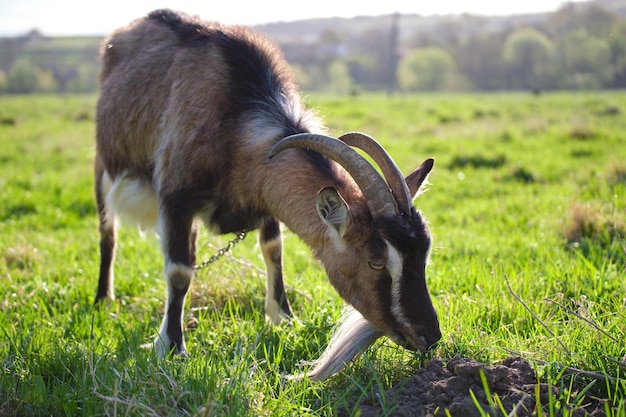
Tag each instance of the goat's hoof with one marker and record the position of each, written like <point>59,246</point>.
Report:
<point>292,321</point>
<point>105,302</point>
<point>282,318</point>
<point>182,355</point>
<point>164,349</point>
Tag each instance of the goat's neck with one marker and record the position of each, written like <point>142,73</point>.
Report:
<point>289,192</point>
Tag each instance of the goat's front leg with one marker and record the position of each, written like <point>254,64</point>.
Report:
<point>178,241</point>
<point>277,305</point>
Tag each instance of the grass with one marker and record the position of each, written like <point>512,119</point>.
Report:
<point>526,189</point>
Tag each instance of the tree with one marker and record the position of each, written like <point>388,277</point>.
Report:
<point>427,69</point>
<point>339,79</point>
<point>374,44</point>
<point>86,79</point>
<point>362,70</point>
<point>584,61</point>
<point>303,79</point>
<point>392,66</point>
<point>26,77</point>
<point>528,56</point>
<point>590,44</point>
<point>618,55</point>
<point>479,61</point>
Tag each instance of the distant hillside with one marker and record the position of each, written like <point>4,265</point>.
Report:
<point>412,25</point>
<point>34,62</point>
<point>615,6</point>
<point>590,37</point>
<point>346,55</point>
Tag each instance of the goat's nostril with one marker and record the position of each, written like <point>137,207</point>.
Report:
<point>432,345</point>
<point>425,339</point>
<point>432,340</point>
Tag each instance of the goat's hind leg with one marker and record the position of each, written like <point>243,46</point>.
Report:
<point>277,305</point>
<point>107,228</point>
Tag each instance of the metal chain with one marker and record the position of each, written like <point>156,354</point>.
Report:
<point>223,251</point>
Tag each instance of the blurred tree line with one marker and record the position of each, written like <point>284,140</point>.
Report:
<point>34,63</point>
<point>580,46</point>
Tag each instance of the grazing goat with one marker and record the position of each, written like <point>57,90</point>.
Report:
<point>198,120</point>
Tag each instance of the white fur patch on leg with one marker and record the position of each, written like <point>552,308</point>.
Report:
<point>134,200</point>
<point>110,217</point>
<point>184,274</point>
<point>272,310</point>
<point>161,343</point>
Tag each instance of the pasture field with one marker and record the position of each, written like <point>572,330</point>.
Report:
<point>527,205</point>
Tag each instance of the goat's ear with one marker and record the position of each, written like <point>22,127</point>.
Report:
<point>416,178</point>
<point>333,210</point>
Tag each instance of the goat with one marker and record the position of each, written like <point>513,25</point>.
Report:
<point>199,120</point>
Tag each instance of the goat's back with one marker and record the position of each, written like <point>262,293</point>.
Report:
<point>172,84</point>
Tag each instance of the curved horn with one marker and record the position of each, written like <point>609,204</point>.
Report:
<point>390,170</point>
<point>374,188</point>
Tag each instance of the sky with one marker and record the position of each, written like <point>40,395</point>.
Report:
<point>88,17</point>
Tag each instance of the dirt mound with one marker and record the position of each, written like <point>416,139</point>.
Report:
<point>439,387</point>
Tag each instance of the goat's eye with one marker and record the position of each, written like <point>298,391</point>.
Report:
<point>376,266</point>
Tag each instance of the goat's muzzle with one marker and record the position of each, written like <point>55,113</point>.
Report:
<point>422,339</point>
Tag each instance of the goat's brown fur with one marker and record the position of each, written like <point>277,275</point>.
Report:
<point>188,113</point>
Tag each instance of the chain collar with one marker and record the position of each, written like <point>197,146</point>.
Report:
<point>223,251</point>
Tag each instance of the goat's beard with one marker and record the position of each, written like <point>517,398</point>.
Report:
<point>352,336</point>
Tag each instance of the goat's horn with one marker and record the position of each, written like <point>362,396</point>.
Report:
<point>390,170</point>
<point>379,199</point>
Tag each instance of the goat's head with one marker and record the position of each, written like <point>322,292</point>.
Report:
<point>376,253</point>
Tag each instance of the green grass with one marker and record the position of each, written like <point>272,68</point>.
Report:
<point>526,189</point>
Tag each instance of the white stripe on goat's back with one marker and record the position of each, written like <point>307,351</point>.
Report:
<point>259,130</point>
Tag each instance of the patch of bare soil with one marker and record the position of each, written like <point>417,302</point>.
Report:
<point>440,387</point>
